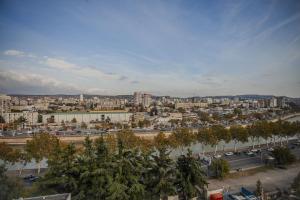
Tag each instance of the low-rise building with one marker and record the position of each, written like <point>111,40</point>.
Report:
<point>88,117</point>
<point>188,105</point>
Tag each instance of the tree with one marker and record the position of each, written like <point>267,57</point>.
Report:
<point>283,156</point>
<point>296,185</point>
<point>190,176</point>
<point>83,125</point>
<point>9,187</point>
<point>238,134</point>
<point>205,137</point>
<point>160,140</point>
<point>8,154</point>
<point>40,147</point>
<point>74,120</point>
<point>2,120</point>
<point>203,116</point>
<point>40,118</point>
<point>237,111</point>
<point>259,189</point>
<point>219,133</point>
<point>162,175</point>
<point>182,137</point>
<point>220,168</point>
<point>181,110</point>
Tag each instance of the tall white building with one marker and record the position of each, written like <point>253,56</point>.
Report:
<point>141,98</point>
<point>273,102</point>
<point>5,102</point>
<point>81,98</point>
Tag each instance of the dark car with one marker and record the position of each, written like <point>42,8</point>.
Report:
<point>282,167</point>
<point>31,178</point>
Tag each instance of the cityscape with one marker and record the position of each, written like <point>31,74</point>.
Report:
<point>154,100</point>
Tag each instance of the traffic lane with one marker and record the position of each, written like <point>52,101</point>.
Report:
<point>247,162</point>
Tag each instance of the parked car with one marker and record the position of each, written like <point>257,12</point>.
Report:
<point>228,153</point>
<point>217,156</point>
<point>250,153</point>
<point>254,150</point>
<point>31,178</point>
<point>270,149</point>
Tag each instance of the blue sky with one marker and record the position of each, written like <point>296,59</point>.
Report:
<point>178,48</point>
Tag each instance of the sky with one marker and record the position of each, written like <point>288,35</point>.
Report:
<point>179,48</point>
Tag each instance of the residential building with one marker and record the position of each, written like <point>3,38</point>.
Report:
<point>5,103</point>
<point>141,98</point>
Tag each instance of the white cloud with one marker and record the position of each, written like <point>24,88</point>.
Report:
<point>14,53</point>
<point>20,82</point>
<point>81,71</point>
<point>17,53</point>
<point>59,64</point>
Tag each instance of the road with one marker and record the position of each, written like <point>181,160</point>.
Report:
<point>245,162</point>
<point>271,179</point>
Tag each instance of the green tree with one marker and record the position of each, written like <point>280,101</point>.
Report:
<point>83,125</point>
<point>238,134</point>
<point>74,120</point>
<point>40,118</point>
<point>182,137</point>
<point>259,189</point>
<point>9,187</point>
<point>162,175</point>
<point>205,137</point>
<point>161,140</point>
<point>220,168</point>
<point>283,156</point>
<point>190,176</point>
<point>296,185</point>
<point>40,147</point>
<point>2,120</point>
<point>219,133</point>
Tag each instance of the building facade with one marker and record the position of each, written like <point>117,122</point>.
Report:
<point>88,117</point>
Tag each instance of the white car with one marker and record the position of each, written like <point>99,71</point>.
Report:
<point>270,149</point>
<point>228,153</point>
<point>254,150</point>
<point>250,153</point>
<point>217,156</point>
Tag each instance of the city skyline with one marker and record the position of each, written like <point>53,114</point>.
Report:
<point>178,48</point>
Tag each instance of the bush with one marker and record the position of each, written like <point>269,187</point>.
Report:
<point>283,156</point>
<point>220,168</point>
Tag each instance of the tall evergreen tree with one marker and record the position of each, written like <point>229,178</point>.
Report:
<point>190,176</point>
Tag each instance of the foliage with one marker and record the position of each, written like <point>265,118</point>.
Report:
<point>96,172</point>
<point>161,141</point>
<point>83,125</point>
<point>259,188</point>
<point>8,154</point>
<point>190,175</point>
<point>296,185</point>
<point>162,175</point>
<point>74,120</point>
<point>2,120</point>
<point>283,156</point>
<point>9,188</point>
<point>41,147</point>
<point>220,168</point>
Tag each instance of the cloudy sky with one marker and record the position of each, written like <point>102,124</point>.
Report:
<point>178,47</point>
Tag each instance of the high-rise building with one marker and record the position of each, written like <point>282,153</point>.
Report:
<point>273,102</point>
<point>81,98</point>
<point>141,98</point>
<point>138,98</point>
<point>5,102</point>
